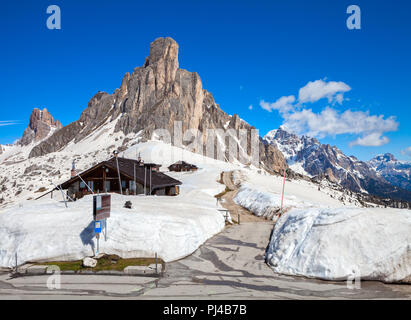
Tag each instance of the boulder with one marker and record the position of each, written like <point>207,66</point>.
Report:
<point>89,262</point>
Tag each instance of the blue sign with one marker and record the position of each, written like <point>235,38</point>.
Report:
<point>97,226</point>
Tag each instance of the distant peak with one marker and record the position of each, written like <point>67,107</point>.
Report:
<point>385,157</point>
<point>40,124</point>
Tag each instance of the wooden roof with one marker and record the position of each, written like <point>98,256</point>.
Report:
<point>126,166</point>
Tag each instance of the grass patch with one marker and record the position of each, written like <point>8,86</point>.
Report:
<point>107,262</point>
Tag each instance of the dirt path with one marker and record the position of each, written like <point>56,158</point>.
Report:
<point>227,201</point>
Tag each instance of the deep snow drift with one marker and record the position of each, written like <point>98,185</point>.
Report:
<point>48,231</point>
<point>323,237</point>
<point>171,226</point>
<point>335,243</point>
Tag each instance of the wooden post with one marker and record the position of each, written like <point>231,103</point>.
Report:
<point>155,258</point>
<point>238,218</point>
<point>119,178</point>
<point>135,185</point>
<point>150,182</point>
<point>145,192</point>
<point>104,180</point>
<point>105,229</point>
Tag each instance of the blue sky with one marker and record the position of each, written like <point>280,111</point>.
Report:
<point>244,51</point>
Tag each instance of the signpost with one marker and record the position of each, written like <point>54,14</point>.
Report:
<point>101,211</point>
<point>97,226</point>
<point>101,206</point>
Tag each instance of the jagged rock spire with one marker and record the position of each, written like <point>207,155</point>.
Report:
<point>40,125</point>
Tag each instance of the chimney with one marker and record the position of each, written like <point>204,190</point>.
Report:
<point>115,152</point>
<point>73,169</point>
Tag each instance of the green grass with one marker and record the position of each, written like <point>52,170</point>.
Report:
<point>108,262</point>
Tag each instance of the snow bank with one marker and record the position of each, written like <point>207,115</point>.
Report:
<point>49,231</point>
<point>265,204</point>
<point>171,226</point>
<point>334,244</point>
<point>260,203</point>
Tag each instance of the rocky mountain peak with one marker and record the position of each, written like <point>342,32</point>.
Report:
<point>396,172</point>
<point>163,49</point>
<point>387,157</point>
<point>40,125</point>
<point>161,96</point>
<point>306,155</point>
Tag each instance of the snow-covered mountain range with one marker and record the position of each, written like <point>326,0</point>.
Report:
<point>156,96</point>
<point>308,156</point>
<point>396,172</point>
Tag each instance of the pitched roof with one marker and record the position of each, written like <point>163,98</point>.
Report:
<point>126,166</point>
<point>158,179</point>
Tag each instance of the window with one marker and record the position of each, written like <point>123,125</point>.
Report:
<point>82,185</point>
<point>123,183</point>
<point>133,186</point>
<point>91,184</point>
<point>107,186</point>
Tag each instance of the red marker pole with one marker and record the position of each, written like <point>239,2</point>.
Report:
<point>282,197</point>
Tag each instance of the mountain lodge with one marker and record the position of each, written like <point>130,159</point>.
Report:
<point>136,177</point>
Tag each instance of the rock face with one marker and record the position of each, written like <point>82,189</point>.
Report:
<point>396,172</point>
<point>40,125</point>
<point>159,95</point>
<point>308,156</point>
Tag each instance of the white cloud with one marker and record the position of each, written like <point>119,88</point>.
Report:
<point>283,105</point>
<point>319,89</point>
<point>370,129</point>
<point>329,122</point>
<point>374,139</point>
